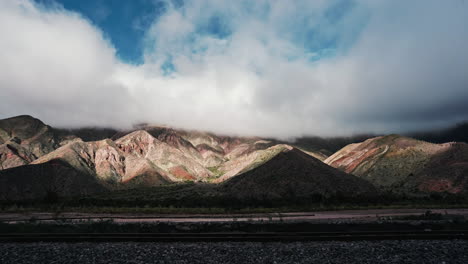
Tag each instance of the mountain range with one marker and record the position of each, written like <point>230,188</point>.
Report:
<point>36,159</point>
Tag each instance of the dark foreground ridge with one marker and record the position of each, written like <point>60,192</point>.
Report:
<point>408,251</point>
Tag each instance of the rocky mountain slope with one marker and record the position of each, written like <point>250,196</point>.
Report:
<point>145,156</point>
<point>24,139</point>
<point>293,174</point>
<point>406,165</point>
<point>36,159</point>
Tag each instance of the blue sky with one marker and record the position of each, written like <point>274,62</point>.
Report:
<point>275,68</point>
<point>125,23</point>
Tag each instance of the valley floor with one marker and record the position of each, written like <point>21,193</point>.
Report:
<point>409,251</point>
<point>358,215</point>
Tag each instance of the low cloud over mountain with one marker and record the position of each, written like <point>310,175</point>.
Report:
<point>266,68</point>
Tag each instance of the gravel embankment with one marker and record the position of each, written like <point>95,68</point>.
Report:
<point>454,251</point>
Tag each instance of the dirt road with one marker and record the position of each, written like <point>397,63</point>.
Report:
<point>298,216</point>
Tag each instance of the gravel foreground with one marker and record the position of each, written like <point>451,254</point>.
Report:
<point>408,251</point>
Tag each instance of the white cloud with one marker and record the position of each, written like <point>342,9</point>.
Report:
<point>56,65</point>
<point>398,65</point>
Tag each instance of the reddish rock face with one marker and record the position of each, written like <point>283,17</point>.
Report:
<point>109,160</point>
<point>350,162</point>
<point>171,137</point>
<point>13,155</point>
<point>205,148</point>
<point>440,185</point>
<point>403,164</point>
<point>181,173</point>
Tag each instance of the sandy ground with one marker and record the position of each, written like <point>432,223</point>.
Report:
<point>298,216</point>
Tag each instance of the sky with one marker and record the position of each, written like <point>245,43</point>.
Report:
<point>274,68</point>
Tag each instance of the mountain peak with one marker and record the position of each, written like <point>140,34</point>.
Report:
<point>22,127</point>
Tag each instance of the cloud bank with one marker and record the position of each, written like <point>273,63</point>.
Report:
<point>268,68</point>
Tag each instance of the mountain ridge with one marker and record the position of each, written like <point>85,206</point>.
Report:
<point>403,164</point>
<point>241,166</point>
<point>141,157</point>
